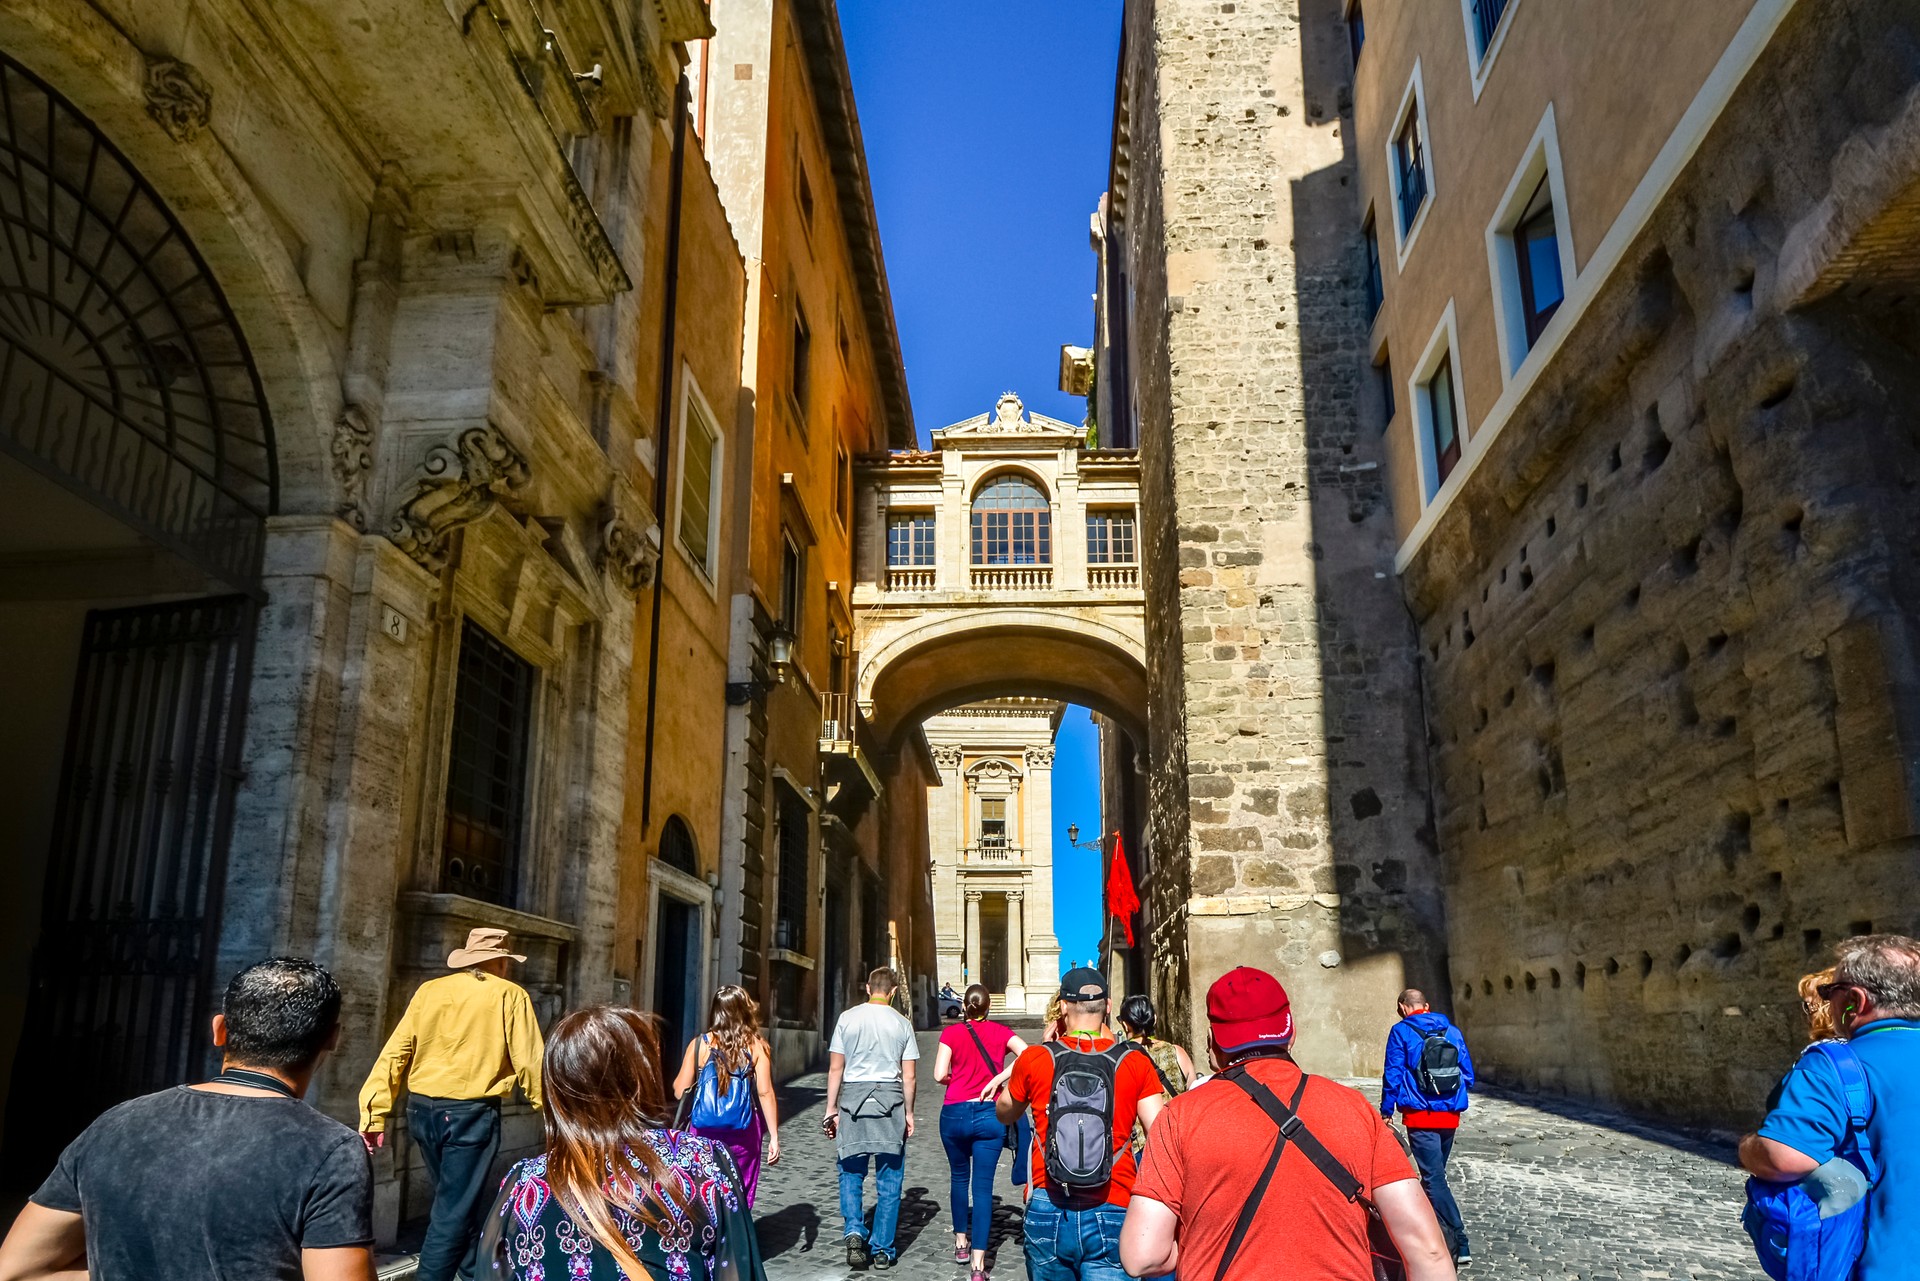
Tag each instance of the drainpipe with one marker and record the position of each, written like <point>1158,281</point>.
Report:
<point>663,432</point>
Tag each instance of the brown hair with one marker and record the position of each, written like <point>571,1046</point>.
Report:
<point>978,1003</point>
<point>882,982</point>
<point>735,1028</point>
<point>603,1093</point>
<point>1820,1025</point>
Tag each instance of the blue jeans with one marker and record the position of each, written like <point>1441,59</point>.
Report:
<point>889,1169</point>
<point>973,1137</point>
<point>1073,1245</point>
<point>457,1139</point>
<point>1431,1148</point>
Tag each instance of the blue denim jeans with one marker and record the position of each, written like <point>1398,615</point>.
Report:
<point>973,1137</point>
<point>1431,1148</point>
<point>1073,1245</point>
<point>888,1169</point>
<point>457,1140</point>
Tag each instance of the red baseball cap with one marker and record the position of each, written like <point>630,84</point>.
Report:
<point>1249,1008</point>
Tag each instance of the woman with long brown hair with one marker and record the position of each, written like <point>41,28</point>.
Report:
<point>732,1070</point>
<point>617,1196</point>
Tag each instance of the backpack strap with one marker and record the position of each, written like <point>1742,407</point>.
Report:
<point>1290,1128</point>
<point>993,1069</point>
<point>1310,1146</point>
<point>1858,1094</point>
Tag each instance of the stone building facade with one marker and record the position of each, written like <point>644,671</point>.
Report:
<point>1523,443</point>
<point>328,422</point>
<point>1286,812</point>
<point>990,834</point>
<point>1663,594</point>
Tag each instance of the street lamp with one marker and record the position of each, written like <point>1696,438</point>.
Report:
<point>1073,839</point>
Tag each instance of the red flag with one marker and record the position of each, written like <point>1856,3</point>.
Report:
<point>1121,900</point>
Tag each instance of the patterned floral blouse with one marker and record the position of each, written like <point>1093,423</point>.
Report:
<point>533,1238</point>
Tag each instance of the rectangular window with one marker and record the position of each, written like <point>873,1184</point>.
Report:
<point>1444,426</point>
<point>802,361</point>
<point>1110,538</point>
<point>791,820</point>
<point>843,487</point>
<point>1356,31</point>
<point>1536,249</point>
<point>1376,291</point>
<point>793,570</point>
<point>803,192</point>
<point>1484,16</point>
<point>1384,372</point>
<point>699,485</point>
<point>1410,156</point>
<point>993,822</point>
<point>910,540</point>
<point>486,770</point>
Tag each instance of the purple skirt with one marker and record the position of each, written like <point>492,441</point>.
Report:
<point>745,1147</point>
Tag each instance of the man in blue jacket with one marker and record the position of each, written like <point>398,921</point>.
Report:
<point>1428,1075</point>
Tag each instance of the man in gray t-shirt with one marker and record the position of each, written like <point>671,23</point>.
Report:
<point>236,1179</point>
<point>870,1071</point>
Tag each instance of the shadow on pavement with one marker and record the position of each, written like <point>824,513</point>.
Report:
<point>917,1210</point>
<point>788,1228</point>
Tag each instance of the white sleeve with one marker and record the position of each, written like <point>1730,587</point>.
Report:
<point>839,1042</point>
<point>912,1050</point>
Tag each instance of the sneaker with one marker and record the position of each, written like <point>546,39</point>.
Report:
<point>858,1256</point>
<point>1462,1259</point>
<point>881,1262</point>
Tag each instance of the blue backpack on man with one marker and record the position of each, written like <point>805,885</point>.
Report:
<point>1815,1230</point>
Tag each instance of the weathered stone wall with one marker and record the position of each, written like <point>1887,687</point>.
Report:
<point>1669,619</point>
<point>1287,818</point>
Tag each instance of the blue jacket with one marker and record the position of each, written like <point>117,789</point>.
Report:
<point>1401,1087</point>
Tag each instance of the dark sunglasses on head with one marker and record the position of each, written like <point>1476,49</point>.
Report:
<point>1827,991</point>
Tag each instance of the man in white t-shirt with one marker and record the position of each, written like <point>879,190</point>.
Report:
<point>870,1069</point>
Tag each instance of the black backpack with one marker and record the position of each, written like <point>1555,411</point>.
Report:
<point>1080,1148</point>
<point>1438,1072</point>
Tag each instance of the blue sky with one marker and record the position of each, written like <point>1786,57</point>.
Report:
<point>986,127</point>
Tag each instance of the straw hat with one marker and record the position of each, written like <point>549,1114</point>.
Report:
<point>483,944</point>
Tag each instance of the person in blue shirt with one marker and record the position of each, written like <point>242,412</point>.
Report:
<point>1875,1001</point>
<point>1431,1119</point>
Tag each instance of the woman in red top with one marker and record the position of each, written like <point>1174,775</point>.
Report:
<point>970,1061</point>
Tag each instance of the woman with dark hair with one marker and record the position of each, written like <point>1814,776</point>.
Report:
<point>971,1061</point>
<point>617,1196</point>
<point>1137,1021</point>
<point>733,1069</point>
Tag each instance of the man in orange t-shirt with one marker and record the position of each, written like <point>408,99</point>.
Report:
<point>1073,1233</point>
<point>1204,1162</point>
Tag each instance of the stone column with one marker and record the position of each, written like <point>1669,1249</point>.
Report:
<point>944,826</point>
<point>973,936</point>
<point>950,528</point>
<point>1069,526</point>
<point>1016,950</point>
<point>1041,950</point>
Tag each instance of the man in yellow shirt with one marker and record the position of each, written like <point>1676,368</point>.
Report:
<point>464,1042</point>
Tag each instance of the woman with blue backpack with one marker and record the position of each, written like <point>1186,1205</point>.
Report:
<point>729,1072</point>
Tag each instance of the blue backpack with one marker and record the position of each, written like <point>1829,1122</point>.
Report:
<point>715,1110</point>
<point>1794,1243</point>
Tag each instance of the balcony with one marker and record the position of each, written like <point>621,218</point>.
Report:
<point>993,854</point>
<point>1111,578</point>
<point>845,762</point>
<point>1012,578</point>
<point>910,578</point>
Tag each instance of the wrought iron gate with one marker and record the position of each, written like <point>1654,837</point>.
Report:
<point>124,963</point>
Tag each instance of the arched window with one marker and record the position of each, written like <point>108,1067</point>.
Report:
<point>1012,523</point>
<point>676,846</point>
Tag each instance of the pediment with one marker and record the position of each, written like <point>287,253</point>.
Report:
<point>1009,418</point>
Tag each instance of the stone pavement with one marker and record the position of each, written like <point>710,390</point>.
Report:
<point>1549,1191</point>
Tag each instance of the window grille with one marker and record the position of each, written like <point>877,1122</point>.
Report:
<point>1110,538</point>
<point>1012,524</point>
<point>791,822</point>
<point>1486,22</point>
<point>487,769</point>
<point>910,540</point>
<point>677,848</point>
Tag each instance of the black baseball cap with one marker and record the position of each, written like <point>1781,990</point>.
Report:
<point>1083,984</point>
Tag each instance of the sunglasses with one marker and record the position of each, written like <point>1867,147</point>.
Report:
<point>1827,991</point>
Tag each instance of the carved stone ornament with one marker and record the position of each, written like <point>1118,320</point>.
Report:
<point>352,449</point>
<point>178,98</point>
<point>1039,758</point>
<point>459,484</point>
<point>947,758</point>
<point>1007,413</point>
<point>631,555</point>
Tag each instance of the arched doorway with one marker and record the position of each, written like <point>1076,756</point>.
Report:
<point>137,461</point>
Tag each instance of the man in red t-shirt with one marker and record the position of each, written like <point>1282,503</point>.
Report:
<point>1205,1159</point>
<point>1073,1233</point>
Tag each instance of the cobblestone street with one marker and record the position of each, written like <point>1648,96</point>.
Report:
<point>1548,1192</point>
